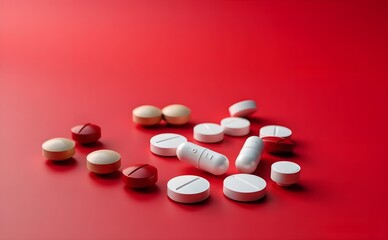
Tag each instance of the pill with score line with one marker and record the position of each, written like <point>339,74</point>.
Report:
<point>86,133</point>
<point>235,126</point>
<point>188,189</point>
<point>165,144</point>
<point>208,133</point>
<point>139,176</point>
<point>244,187</point>
<point>275,131</point>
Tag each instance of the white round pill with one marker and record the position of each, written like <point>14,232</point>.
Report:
<point>188,189</point>
<point>58,149</point>
<point>235,126</point>
<point>103,161</point>
<point>165,144</point>
<point>208,132</point>
<point>285,173</point>
<point>243,108</point>
<point>244,187</point>
<point>275,131</point>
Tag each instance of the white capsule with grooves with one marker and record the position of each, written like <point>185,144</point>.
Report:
<point>250,154</point>
<point>203,158</point>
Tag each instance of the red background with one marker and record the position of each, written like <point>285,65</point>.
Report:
<point>318,67</point>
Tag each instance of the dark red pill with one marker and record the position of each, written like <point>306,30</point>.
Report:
<point>86,133</point>
<point>278,145</point>
<point>140,176</point>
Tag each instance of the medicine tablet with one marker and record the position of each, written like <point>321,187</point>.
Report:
<point>244,187</point>
<point>140,176</point>
<point>250,154</point>
<point>176,114</point>
<point>58,149</point>
<point>208,132</point>
<point>278,145</point>
<point>188,189</point>
<point>103,161</point>
<point>147,115</point>
<point>165,144</point>
<point>275,131</point>
<point>285,173</point>
<point>86,133</point>
<point>243,108</point>
<point>235,126</point>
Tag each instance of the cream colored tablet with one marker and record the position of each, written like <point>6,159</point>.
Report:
<point>235,126</point>
<point>58,149</point>
<point>243,108</point>
<point>208,132</point>
<point>176,114</point>
<point>103,161</point>
<point>147,115</point>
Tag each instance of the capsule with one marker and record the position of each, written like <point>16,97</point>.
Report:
<point>250,154</point>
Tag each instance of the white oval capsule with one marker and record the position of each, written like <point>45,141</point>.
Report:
<point>285,173</point>
<point>188,189</point>
<point>275,131</point>
<point>203,158</point>
<point>244,187</point>
<point>250,154</point>
<point>165,144</point>
<point>208,132</point>
<point>243,108</point>
<point>235,126</point>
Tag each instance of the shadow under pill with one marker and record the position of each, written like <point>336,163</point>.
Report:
<point>142,194</point>
<point>292,188</point>
<point>90,147</point>
<point>62,166</point>
<point>191,207</point>
<point>106,179</point>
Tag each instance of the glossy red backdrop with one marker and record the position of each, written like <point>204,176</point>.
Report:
<point>318,67</point>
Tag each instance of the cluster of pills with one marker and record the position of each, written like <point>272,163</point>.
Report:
<point>175,114</point>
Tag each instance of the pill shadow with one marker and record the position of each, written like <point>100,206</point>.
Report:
<point>249,205</point>
<point>142,194</point>
<point>62,166</point>
<point>106,179</point>
<point>90,147</point>
<point>298,188</point>
<point>192,207</point>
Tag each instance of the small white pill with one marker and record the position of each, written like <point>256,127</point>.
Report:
<point>188,189</point>
<point>235,126</point>
<point>165,144</point>
<point>285,173</point>
<point>250,154</point>
<point>103,161</point>
<point>208,133</point>
<point>243,108</point>
<point>275,131</point>
<point>244,187</point>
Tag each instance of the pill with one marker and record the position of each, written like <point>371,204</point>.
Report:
<point>188,189</point>
<point>208,133</point>
<point>165,144</point>
<point>244,187</point>
<point>58,149</point>
<point>275,131</point>
<point>235,126</point>
<point>140,176</point>
<point>285,173</point>
<point>103,161</point>
<point>147,115</point>
<point>86,133</point>
<point>250,154</point>
<point>243,108</point>
<point>176,114</point>
<point>278,145</point>
<point>202,158</point>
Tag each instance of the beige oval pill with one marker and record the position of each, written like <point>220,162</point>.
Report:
<point>147,115</point>
<point>58,149</point>
<point>176,114</point>
<point>103,161</point>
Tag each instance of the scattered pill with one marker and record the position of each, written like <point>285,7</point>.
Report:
<point>275,131</point>
<point>244,187</point>
<point>285,173</point>
<point>250,154</point>
<point>176,114</point>
<point>140,176</point>
<point>235,126</point>
<point>243,108</point>
<point>147,115</point>
<point>278,145</point>
<point>58,149</point>
<point>165,144</point>
<point>208,132</point>
<point>103,161</point>
<point>188,189</point>
<point>86,133</point>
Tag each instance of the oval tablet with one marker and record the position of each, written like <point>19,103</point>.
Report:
<point>244,187</point>
<point>285,173</point>
<point>147,115</point>
<point>275,131</point>
<point>165,144</point>
<point>140,176</point>
<point>188,189</point>
<point>243,108</point>
<point>86,133</point>
<point>58,149</point>
<point>176,114</point>
<point>208,132</point>
<point>278,145</point>
<point>235,126</point>
<point>103,161</point>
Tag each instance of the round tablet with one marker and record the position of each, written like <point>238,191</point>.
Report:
<point>208,133</point>
<point>275,131</point>
<point>278,145</point>
<point>243,108</point>
<point>165,144</point>
<point>235,126</point>
<point>103,161</point>
<point>147,115</point>
<point>285,173</point>
<point>140,176</point>
<point>176,114</point>
<point>86,133</point>
<point>188,189</point>
<point>58,149</point>
<point>244,187</point>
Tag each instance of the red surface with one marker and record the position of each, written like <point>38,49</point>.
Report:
<point>317,67</point>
